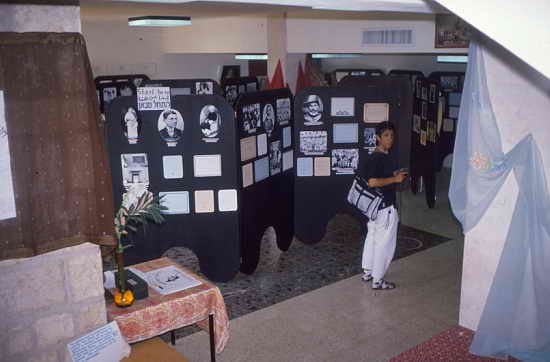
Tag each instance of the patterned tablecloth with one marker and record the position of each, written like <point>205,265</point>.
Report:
<point>159,314</point>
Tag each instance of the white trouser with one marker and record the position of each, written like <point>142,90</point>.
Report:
<point>380,242</point>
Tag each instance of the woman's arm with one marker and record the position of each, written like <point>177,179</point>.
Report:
<point>380,182</point>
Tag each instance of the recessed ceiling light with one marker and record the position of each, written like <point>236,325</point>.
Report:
<point>334,55</point>
<point>159,21</point>
<point>251,56</point>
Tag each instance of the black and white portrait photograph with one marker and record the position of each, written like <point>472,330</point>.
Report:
<point>269,119</point>
<point>251,117</point>
<point>432,93</point>
<point>313,110</point>
<point>131,125</point>
<point>231,94</point>
<point>135,170</point>
<point>210,123</point>
<point>369,134</point>
<point>283,111</point>
<point>170,126</point>
<point>416,123</point>
<point>204,88</point>
<point>313,142</point>
<point>275,157</point>
<point>126,90</point>
<point>109,94</point>
<point>449,82</point>
<point>345,161</point>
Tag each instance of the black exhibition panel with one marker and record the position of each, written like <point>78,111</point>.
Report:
<point>108,87</point>
<point>264,127</point>
<point>194,168</point>
<point>338,74</point>
<point>233,87</point>
<point>334,130</point>
<point>411,74</point>
<point>402,92</point>
<point>426,128</point>
<point>451,84</point>
<point>181,87</point>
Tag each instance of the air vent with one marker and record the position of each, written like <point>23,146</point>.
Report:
<point>393,37</point>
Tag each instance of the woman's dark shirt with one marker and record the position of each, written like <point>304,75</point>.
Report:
<point>380,165</point>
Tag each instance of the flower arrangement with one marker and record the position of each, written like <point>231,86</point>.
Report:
<point>138,207</point>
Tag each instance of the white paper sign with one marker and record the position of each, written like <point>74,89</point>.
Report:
<point>375,112</point>
<point>304,166</point>
<point>342,106</point>
<point>287,137</point>
<point>204,201</point>
<point>207,165</point>
<point>248,175</point>
<point>103,344</point>
<point>227,200</point>
<point>262,144</point>
<point>7,200</point>
<point>288,160</point>
<point>177,202</point>
<point>153,98</point>
<point>172,166</point>
<point>345,132</point>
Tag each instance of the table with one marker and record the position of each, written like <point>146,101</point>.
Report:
<point>158,314</point>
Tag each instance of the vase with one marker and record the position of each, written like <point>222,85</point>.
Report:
<point>123,297</point>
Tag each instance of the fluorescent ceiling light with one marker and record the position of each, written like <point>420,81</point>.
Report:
<point>452,59</point>
<point>159,21</point>
<point>334,55</point>
<point>251,56</point>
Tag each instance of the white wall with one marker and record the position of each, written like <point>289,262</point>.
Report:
<point>328,35</point>
<point>521,99</point>
<point>423,63</point>
<point>116,48</point>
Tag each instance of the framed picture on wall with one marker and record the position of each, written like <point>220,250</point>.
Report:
<point>451,32</point>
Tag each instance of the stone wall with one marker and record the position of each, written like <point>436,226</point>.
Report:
<point>48,301</point>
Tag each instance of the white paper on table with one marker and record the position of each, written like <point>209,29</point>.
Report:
<point>342,106</point>
<point>448,125</point>
<point>177,202</point>
<point>204,201</point>
<point>170,279</point>
<point>227,200</point>
<point>322,166</point>
<point>376,112</point>
<point>207,165</point>
<point>248,148</point>
<point>262,144</point>
<point>103,344</point>
<point>248,175</point>
<point>172,166</point>
<point>304,166</point>
<point>287,137</point>
<point>288,160</point>
<point>345,132</point>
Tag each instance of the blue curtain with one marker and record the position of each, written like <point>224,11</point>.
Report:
<point>516,318</point>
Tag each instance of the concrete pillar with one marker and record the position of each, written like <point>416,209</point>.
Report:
<point>521,99</point>
<point>276,44</point>
<point>40,18</point>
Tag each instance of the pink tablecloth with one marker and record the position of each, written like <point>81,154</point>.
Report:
<point>159,314</point>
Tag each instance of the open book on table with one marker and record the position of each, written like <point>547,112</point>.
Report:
<point>167,280</point>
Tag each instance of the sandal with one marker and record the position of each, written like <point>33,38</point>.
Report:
<point>366,277</point>
<point>383,285</point>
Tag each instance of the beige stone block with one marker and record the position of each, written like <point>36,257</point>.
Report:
<point>19,340</point>
<point>85,275</point>
<point>54,329</point>
<point>91,317</point>
<point>39,286</point>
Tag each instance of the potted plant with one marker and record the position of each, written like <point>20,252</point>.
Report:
<point>138,207</point>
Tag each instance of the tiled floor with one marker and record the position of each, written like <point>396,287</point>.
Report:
<point>344,320</point>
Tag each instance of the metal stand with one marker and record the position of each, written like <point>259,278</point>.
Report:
<point>212,340</point>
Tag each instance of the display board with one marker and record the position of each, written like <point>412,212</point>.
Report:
<point>451,84</point>
<point>338,74</point>
<point>232,87</point>
<point>334,130</point>
<point>109,87</point>
<point>265,127</point>
<point>184,149</point>
<point>182,87</point>
<point>411,74</point>
<point>425,136</point>
<point>400,89</point>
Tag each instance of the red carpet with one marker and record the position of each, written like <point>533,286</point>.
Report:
<point>451,345</point>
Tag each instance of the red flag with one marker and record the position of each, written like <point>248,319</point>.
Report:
<point>277,81</point>
<point>300,79</point>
